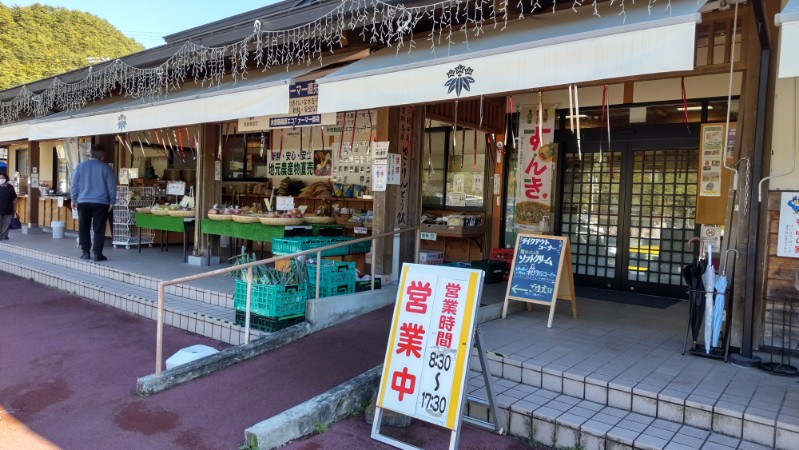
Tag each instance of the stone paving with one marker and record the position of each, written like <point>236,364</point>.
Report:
<point>612,378</point>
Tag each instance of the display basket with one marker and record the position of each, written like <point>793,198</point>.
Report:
<point>244,219</point>
<point>143,210</point>
<point>159,212</point>
<point>271,300</point>
<point>220,216</point>
<point>281,221</point>
<point>181,213</point>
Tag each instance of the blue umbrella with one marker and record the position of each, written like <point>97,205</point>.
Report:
<point>709,280</point>
<point>721,288</point>
<point>718,308</point>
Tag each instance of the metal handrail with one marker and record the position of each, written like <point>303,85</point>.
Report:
<point>250,265</point>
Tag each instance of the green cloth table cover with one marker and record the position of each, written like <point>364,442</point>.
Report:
<point>165,223</point>
<point>250,231</point>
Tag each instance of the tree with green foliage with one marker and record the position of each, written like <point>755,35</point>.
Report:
<point>41,41</point>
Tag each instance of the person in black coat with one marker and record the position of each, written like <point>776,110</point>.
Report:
<point>7,198</point>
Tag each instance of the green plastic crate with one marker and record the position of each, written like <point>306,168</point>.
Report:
<point>361,247</point>
<point>332,273</point>
<point>269,324</point>
<point>332,290</point>
<point>286,246</point>
<point>270,300</point>
<point>366,285</point>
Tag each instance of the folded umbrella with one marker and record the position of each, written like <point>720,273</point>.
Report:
<point>709,280</point>
<point>692,274</point>
<point>718,308</point>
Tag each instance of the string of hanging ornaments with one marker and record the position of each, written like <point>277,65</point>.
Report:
<point>380,23</point>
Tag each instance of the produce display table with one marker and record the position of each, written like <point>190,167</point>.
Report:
<point>254,231</point>
<point>165,224</point>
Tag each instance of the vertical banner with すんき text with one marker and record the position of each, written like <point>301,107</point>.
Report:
<point>536,166</point>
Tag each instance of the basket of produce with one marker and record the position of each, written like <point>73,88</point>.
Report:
<point>283,221</point>
<point>143,210</point>
<point>159,212</point>
<point>292,217</point>
<point>181,212</point>
<point>319,219</point>
<point>220,216</point>
<point>241,218</point>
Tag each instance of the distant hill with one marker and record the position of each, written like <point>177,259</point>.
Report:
<point>41,41</point>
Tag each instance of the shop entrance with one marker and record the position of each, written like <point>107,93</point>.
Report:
<point>630,210</point>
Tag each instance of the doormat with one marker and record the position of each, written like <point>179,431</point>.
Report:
<point>628,298</point>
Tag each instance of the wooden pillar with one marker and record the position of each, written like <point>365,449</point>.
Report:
<point>409,194</point>
<point>384,206</point>
<point>34,159</point>
<point>209,191</point>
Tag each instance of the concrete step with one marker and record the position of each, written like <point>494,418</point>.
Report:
<point>202,311</point>
<point>566,408</point>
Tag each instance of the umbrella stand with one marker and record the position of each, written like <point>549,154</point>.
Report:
<point>697,293</point>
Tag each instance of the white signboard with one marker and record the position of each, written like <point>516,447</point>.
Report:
<point>380,150</point>
<point>788,234</point>
<point>379,176</point>
<point>394,168</point>
<point>361,230</point>
<point>457,199</point>
<point>711,234</point>
<point>284,203</point>
<point>427,359</point>
<point>175,188</point>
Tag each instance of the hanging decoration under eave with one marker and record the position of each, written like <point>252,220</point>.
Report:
<point>378,22</point>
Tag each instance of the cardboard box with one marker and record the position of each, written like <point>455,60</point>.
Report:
<point>359,260</point>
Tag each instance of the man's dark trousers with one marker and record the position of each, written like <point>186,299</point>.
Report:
<point>92,216</point>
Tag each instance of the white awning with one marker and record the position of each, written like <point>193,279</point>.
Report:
<point>536,52</point>
<point>788,21</point>
<point>260,94</point>
<point>14,132</point>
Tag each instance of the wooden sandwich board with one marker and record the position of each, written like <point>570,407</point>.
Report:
<point>541,273</point>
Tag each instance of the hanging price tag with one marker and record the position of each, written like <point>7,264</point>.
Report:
<point>426,236</point>
<point>361,230</point>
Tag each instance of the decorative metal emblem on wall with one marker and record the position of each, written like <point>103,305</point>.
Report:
<point>460,78</point>
<point>122,122</point>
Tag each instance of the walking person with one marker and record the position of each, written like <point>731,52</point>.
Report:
<point>94,190</point>
<point>8,196</point>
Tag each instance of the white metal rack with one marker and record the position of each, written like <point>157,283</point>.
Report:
<point>124,230</point>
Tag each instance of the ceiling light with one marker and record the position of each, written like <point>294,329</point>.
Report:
<point>692,108</point>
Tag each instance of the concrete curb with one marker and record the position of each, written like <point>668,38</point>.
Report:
<point>152,384</point>
<point>302,420</point>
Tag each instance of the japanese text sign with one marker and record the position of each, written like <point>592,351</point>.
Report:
<point>541,272</point>
<point>176,188</point>
<point>536,265</point>
<point>284,203</point>
<point>430,342</point>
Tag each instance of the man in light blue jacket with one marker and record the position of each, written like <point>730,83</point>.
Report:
<point>94,190</point>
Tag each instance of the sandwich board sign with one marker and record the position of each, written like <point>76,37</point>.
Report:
<point>432,333</point>
<point>541,273</point>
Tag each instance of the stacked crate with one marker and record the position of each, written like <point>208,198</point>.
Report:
<point>335,278</point>
<point>272,307</point>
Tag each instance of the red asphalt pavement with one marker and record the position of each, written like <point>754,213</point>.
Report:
<point>68,370</point>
